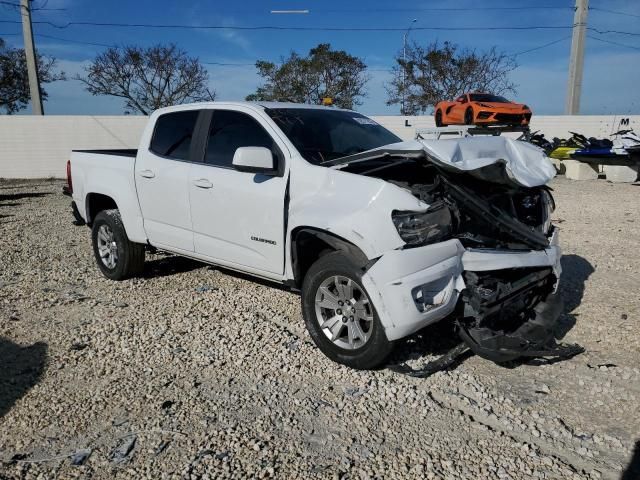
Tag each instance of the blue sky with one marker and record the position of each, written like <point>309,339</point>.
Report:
<point>611,71</point>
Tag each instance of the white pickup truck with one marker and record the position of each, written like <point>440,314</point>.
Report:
<point>381,237</point>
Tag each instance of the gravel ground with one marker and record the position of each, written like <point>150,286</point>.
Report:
<point>193,372</point>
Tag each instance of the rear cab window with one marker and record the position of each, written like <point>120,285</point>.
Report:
<point>173,134</point>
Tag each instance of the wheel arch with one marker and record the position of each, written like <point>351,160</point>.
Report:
<point>96,203</point>
<point>308,244</point>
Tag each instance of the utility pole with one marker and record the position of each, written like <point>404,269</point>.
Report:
<point>404,59</point>
<point>576,62</point>
<point>32,64</point>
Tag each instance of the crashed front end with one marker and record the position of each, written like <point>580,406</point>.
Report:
<point>485,252</point>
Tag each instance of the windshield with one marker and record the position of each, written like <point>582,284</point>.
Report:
<point>321,135</point>
<point>487,97</point>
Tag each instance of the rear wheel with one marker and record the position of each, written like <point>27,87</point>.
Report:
<point>468,116</point>
<point>439,119</point>
<point>117,257</point>
<point>339,315</point>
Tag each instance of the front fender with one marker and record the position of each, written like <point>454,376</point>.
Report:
<point>353,207</point>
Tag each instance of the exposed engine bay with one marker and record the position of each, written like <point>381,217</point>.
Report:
<point>502,314</point>
<point>481,214</point>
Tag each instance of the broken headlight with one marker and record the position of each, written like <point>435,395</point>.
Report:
<point>548,206</point>
<point>421,228</point>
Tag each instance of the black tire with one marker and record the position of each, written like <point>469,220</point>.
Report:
<point>130,256</point>
<point>468,116</point>
<point>376,349</point>
<point>439,119</point>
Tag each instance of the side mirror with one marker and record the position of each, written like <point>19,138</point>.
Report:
<point>254,160</point>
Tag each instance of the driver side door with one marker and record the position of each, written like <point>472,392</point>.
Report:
<point>238,217</point>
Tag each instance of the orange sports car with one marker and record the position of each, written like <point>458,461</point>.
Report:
<point>481,109</point>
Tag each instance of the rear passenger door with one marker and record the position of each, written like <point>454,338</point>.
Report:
<point>162,180</point>
<point>238,217</point>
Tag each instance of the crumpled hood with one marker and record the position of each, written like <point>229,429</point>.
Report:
<point>524,163</point>
<point>494,159</point>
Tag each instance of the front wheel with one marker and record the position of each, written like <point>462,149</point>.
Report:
<point>339,315</point>
<point>117,257</point>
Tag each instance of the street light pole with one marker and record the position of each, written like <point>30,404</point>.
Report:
<point>30,53</point>
<point>404,60</point>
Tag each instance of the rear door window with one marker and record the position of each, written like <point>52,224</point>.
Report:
<point>231,130</point>
<point>173,134</point>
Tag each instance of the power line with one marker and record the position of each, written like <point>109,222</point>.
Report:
<point>33,9</point>
<point>42,35</point>
<point>75,41</point>
<point>612,31</point>
<point>275,27</point>
<point>417,9</point>
<point>542,46</point>
<point>442,9</point>
<point>314,29</point>
<point>221,64</point>
<point>615,12</point>
<point>613,43</point>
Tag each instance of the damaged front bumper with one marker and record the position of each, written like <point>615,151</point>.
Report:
<point>505,303</point>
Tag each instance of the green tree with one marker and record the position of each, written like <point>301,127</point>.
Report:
<point>14,80</point>
<point>322,73</point>
<point>443,72</point>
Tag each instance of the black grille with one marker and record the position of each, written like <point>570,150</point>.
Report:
<point>509,117</point>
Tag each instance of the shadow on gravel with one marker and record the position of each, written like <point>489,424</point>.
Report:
<point>20,369</point>
<point>632,472</point>
<point>575,272</point>
<point>170,265</point>
<point>19,196</point>
<point>441,337</point>
<point>435,340</point>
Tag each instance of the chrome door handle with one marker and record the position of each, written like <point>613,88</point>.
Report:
<point>203,183</point>
<point>147,174</point>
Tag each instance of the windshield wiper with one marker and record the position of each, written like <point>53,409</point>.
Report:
<point>393,163</point>
<point>376,153</point>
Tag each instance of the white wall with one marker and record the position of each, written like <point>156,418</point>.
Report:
<point>38,147</point>
<point>598,126</point>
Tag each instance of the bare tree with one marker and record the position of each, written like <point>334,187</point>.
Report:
<point>436,72</point>
<point>149,78</point>
<point>14,80</point>
<point>323,73</point>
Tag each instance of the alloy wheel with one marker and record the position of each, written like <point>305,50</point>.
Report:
<point>344,312</point>
<point>107,247</point>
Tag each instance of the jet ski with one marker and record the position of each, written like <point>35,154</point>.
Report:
<point>626,142</point>
<point>624,150</point>
<point>562,149</point>
<point>536,138</point>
